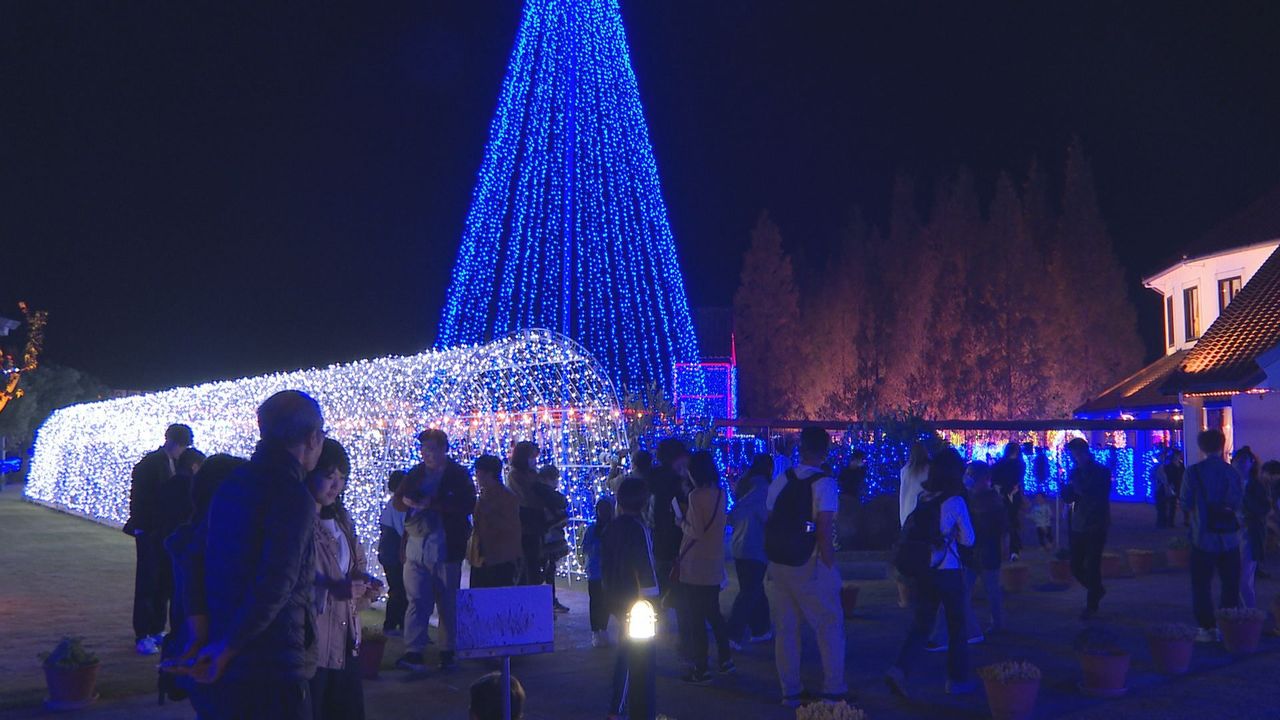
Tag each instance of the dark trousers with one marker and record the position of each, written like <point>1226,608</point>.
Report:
<point>1165,505</point>
<point>492,576</point>
<point>1015,524</point>
<point>338,694</point>
<point>533,563</point>
<point>1203,566</point>
<point>673,598</point>
<point>599,609</point>
<point>1086,564</point>
<point>750,613</point>
<point>945,588</point>
<point>152,586</point>
<point>261,698</point>
<point>397,598</point>
<point>549,575</point>
<point>1044,536</point>
<point>629,653</point>
<point>703,606</point>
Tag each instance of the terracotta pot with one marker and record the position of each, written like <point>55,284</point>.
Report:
<point>1104,675</point>
<point>1178,559</point>
<point>70,688</point>
<point>848,598</point>
<point>371,652</point>
<point>1060,572</point>
<point>1015,577</point>
<point>1112,565</point>
<point>1240,636</point>
<point>1141,562</point>
<point>1172,657</point>
<point>1012,700</point>
<point>904,594</point>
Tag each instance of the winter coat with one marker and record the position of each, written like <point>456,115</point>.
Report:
<point>703,562</point>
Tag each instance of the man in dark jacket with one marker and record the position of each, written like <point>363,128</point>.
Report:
<point>260,570</point>
<point>1008,476</point>
<point>438,497</point>
<point>1089,488</point>
<point>152,578</point>
<point>1213,492</point>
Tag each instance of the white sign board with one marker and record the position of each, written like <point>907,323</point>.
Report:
<point>493,622</point>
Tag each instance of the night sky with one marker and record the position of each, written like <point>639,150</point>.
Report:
<point>205,190</point>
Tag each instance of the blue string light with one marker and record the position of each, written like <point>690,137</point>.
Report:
<point>567,227</point>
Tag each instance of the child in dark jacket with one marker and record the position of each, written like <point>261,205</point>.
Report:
<point>990,525</point>
<point>391,558</point>
<point>591,543</point>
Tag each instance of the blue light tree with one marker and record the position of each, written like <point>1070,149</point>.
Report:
<point>567,228</point>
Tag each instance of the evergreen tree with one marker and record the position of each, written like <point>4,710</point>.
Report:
<point>766,319</point>
<point>907,270</point>
<point>1096,339</point>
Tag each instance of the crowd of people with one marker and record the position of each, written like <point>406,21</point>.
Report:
<point>264,577</point>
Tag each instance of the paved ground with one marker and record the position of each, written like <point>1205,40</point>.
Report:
<point>68,576</point>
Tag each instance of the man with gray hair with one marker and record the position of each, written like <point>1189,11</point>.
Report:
<point>260,570</point>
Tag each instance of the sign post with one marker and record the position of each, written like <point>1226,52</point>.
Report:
<point>506,621</point>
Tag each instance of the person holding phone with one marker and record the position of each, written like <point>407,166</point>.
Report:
<point>343,588</point>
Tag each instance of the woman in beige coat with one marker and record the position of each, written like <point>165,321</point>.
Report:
<point>702,566</point>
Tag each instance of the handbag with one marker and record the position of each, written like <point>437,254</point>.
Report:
<point>674,575</point>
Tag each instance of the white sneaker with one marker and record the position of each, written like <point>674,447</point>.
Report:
<point>766,637</point>
<point>1206,635</point>
<point>147,646</point>
<point>600,639</point>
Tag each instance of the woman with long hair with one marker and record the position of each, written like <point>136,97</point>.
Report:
<point>749,619</point>
<point>701,566</point>
<point>343,588</point>
<point>912,478</point>
<point>1257,506</point>
<point>522,479</point>
<point>943,582</point>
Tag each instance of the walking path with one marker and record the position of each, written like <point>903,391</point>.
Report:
<point>66,576</point>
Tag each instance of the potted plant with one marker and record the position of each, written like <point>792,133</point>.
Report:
<point>70,672</point>
<point>373,645</point>
<point>1014,577</point>
<point>1112,565</point>
<point>1178,553</point>
<point>829,711</point>
<point>1060,567</point>
<point>1012,687</point>
<point>848,598</point>
<point>1171,646</point>
<point>1141,561</point>
<point>1104,663</point>
<point>1241,628</point>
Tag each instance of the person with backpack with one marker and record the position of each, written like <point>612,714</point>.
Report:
<point>1213,492</point>
<point>802,582</point>
<point>928,556</point>
<point>1088,489</point>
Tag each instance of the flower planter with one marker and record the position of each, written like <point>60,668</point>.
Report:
<point>1112,565</point>
<point>848,598</point>
<point>1240,636</point>
<point>1060,572</point>
<point>1013,700</point>
<point>1178,558</point>
<point>1141,562</point>
<point>1015,577</point>
<point>1172,657</point>
<point>371,652</point>
<point>1104,674</point>
<point>70,688</point>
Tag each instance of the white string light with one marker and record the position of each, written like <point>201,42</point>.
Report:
<point>533,385</point>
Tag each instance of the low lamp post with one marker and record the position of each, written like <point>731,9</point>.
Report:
<point>641,630</point>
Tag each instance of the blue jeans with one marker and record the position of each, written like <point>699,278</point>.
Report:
<point>750,613</point>
<point>945,588</point>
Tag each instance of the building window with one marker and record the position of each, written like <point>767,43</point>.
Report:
<point>1170,340</point>
<point>1227,291</point>
<point>1191,312</point>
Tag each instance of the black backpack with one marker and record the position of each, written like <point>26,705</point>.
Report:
<point>921,535</point>
<point>790,534</point>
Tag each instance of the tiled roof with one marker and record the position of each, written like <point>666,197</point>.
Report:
<point>1140,392</point>
<point>1257,222</point>
<point>1225,357</point>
